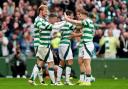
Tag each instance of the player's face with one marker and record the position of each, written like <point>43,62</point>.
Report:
<point>110,32</point>
<point>78,15</point>
<point>53,20</point>
<point>71,16</point>
<point>45,12</point>
<point>82,16</point>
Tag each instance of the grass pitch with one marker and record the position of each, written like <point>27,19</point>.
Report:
<point>12,83</point>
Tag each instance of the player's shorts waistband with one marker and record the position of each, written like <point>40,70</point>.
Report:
<point>86,42</point>
<point>45,46</point>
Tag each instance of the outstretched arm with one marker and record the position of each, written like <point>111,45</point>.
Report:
<point>74,34</point>
<point>58,25</point>
<point>77,22</point>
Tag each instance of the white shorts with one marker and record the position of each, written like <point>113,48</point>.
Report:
<point>44,54</point>
<point>65,52</point>
<point>86,50</point>
<point>35,49</point>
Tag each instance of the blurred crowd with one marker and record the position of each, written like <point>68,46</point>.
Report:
<point>110,18</point>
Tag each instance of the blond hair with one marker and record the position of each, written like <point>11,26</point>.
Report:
<point>82,11</point>
<point>42,7</point>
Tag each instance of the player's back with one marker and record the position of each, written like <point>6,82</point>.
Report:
<point>88,30</point>
<point>66,31</point>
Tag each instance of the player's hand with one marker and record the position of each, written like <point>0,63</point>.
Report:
<point>65,16</point>
<point>72,35</point>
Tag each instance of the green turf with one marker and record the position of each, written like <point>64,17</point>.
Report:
<point>99,84</point>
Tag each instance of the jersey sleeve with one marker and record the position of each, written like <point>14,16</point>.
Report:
<point>48,26</point>
<point>72,27</point>
<point>84,23</point>
<point>88,24</point>
<point>39,24</point>
<point>58,25</point>
<point>42,24</point>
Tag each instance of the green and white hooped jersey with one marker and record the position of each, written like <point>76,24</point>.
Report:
<point>44,29</point>
<point>36,32</point>
<point>87,31</point>
<point>66,31</point>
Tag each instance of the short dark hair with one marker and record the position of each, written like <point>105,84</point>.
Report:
<point>69,12</point>
<point>52,15</point>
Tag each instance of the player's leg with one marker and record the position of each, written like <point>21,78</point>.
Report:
<point>87,61</point>
<point>40,54</point>
<point>59,72</point>
<point>68,71</point>
<point>40,72</point>
<point>37,67</point>
<point>83,75</point>
<point>50,61</point>
<point>40,76</point>
<point>61,65</point>
<point>81,64</point>
<point>82,69</point>
<point>69,62</point>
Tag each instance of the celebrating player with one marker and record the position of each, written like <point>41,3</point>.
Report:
<point>65,52</point>
<point>86,45</point>
<point>42,41</point>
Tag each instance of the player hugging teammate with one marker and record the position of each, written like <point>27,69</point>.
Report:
<point>42,42</point>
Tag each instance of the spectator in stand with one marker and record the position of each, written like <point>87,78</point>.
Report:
<point>96,40</point>
<point>116,32</point>
<point>111,44</point>
<point>123,50</point>
<point>5,29</point>
<point>3,45</point>
<point>11,7</point>
<point>28,24</point>
<point>22,5</point>
<point>31,12</point>
<point>27,44</point>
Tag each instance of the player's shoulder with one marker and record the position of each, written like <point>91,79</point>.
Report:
<point>38,19</point>
<point>70,24</point>
<point>89,20</point>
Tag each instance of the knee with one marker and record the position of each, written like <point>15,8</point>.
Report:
<point>40,63</point>
<point>62,63</point>
<point>87,63</point>
<point>51,65</point>
<point>80,61</point>
<point>70,62</point>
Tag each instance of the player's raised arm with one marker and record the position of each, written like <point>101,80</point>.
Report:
<point>72,20</point>
<point>56,26</point>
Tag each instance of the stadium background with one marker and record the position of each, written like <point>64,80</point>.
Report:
<point>16,26</point>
